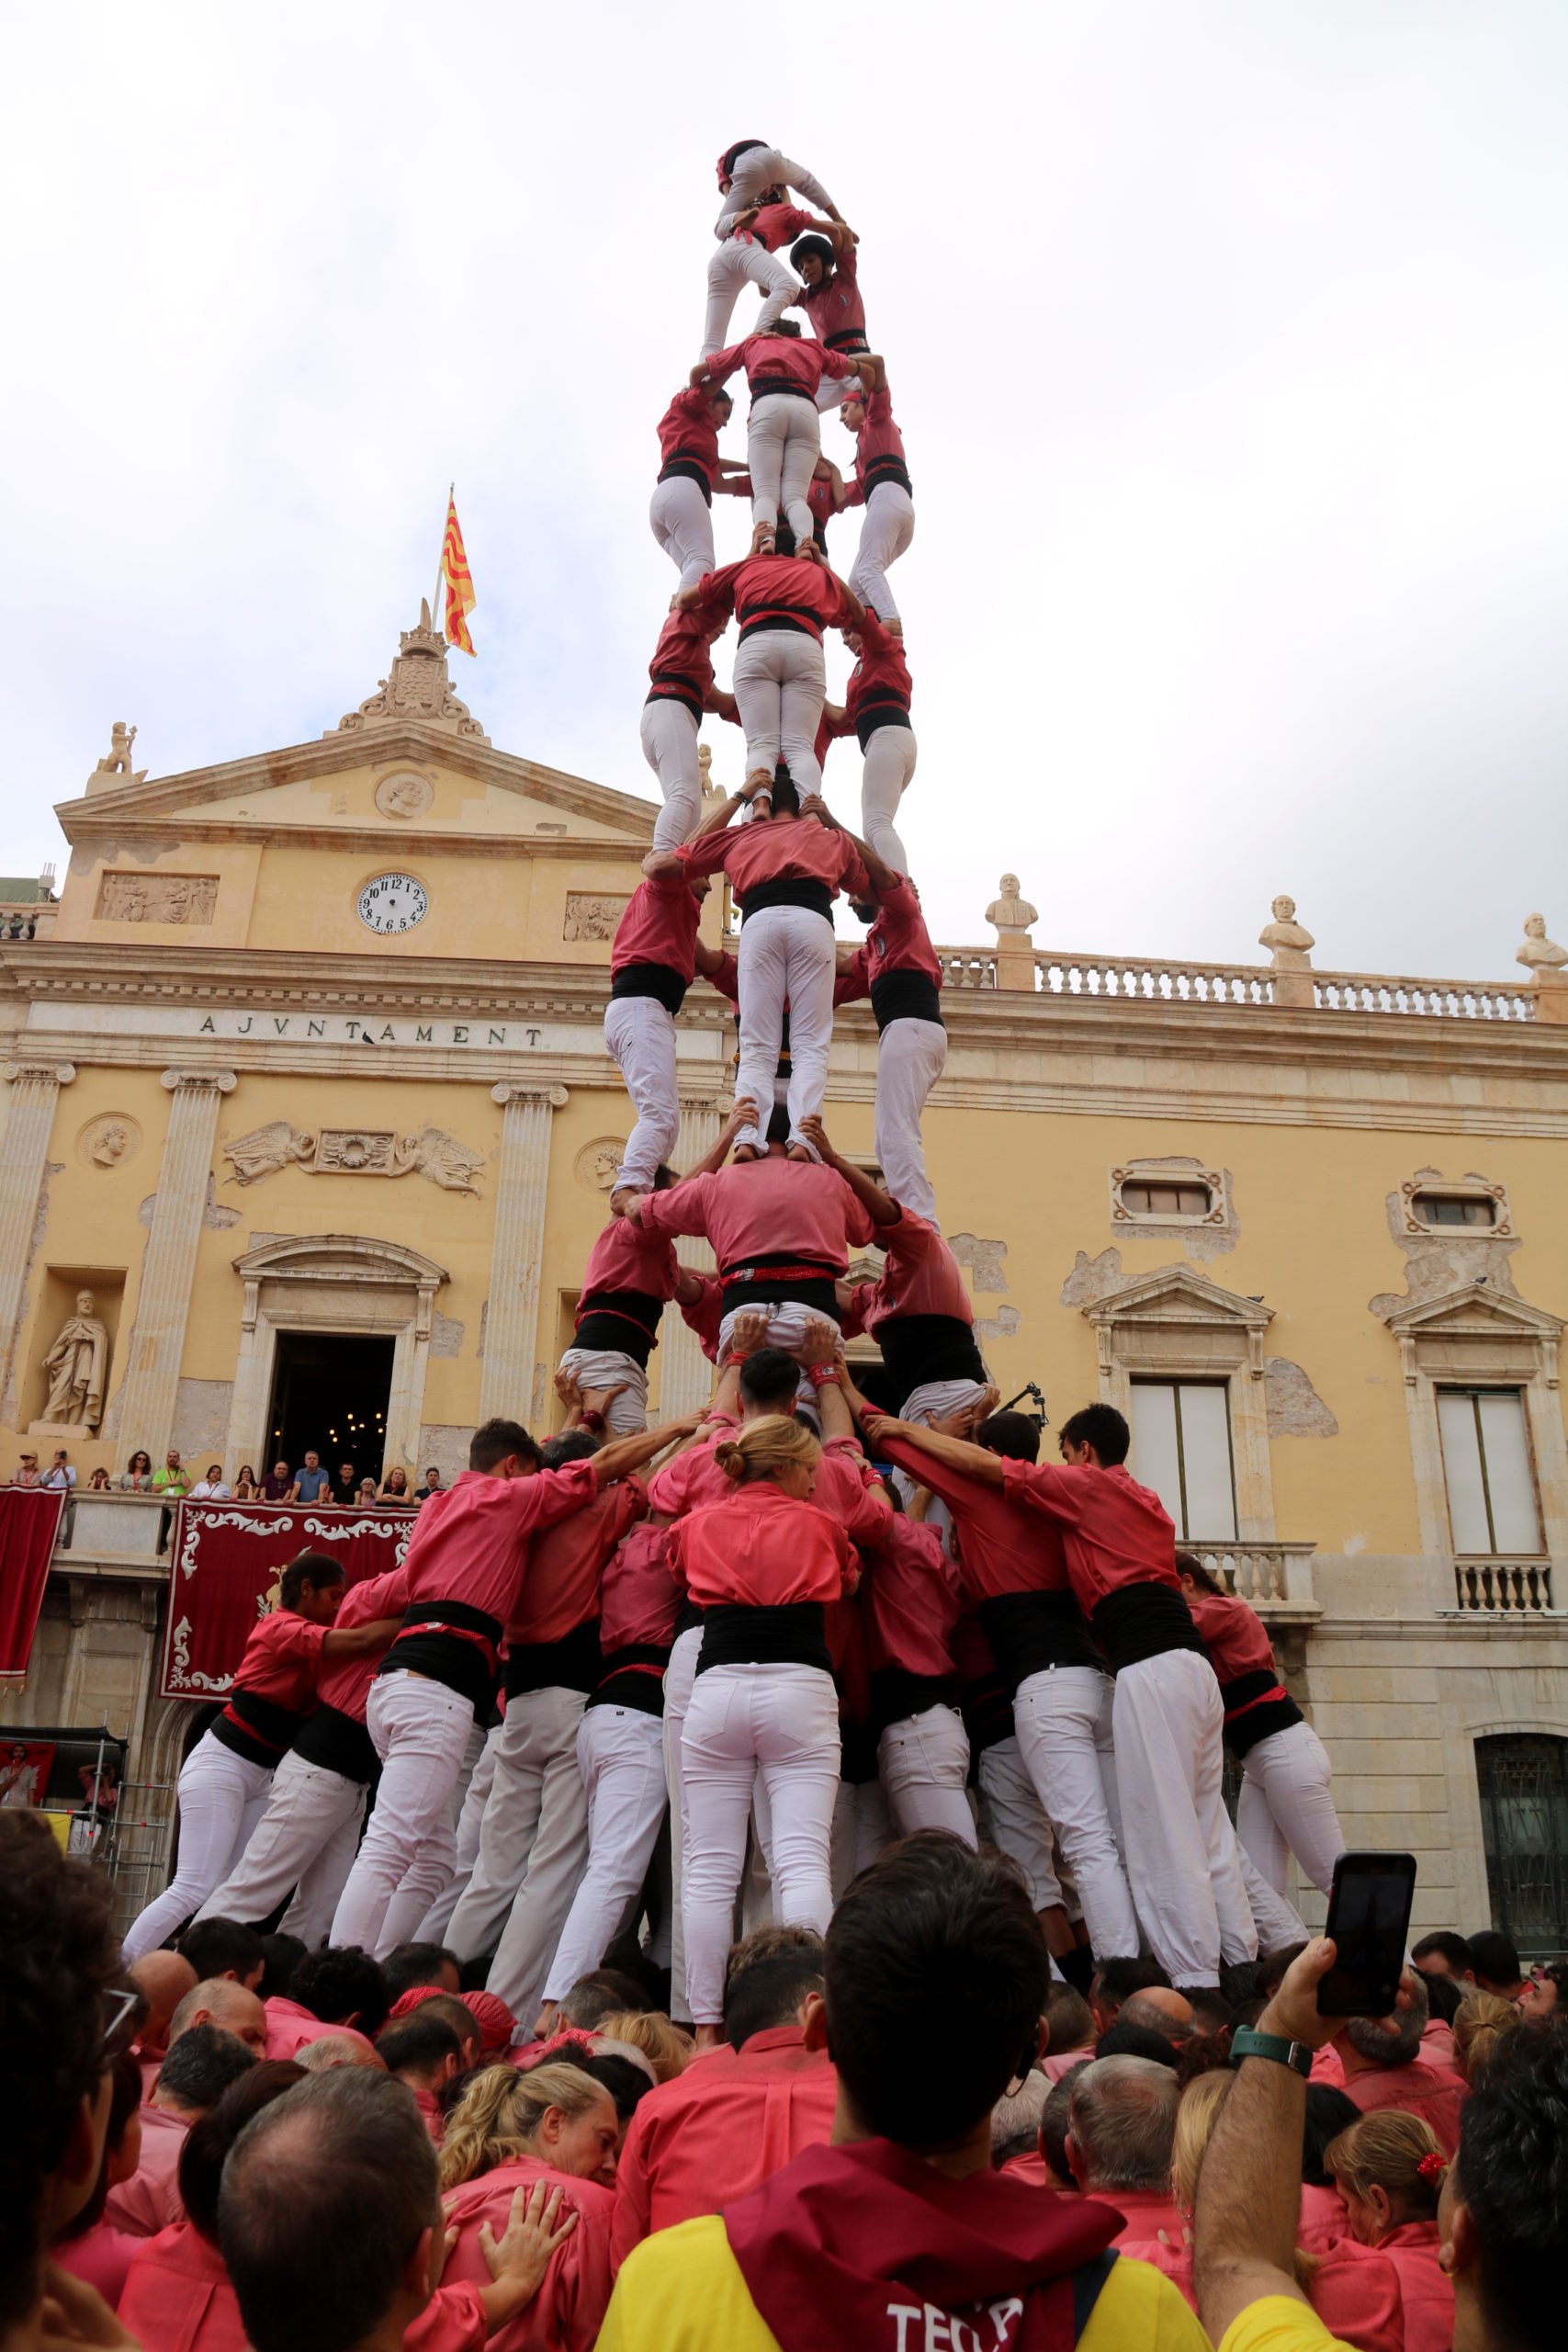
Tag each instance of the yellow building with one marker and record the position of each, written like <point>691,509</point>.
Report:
<point>307,1088</point>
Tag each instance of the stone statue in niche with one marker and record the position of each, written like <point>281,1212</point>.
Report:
<point>1010,912</point>
<point>117,759</point>
<point>591,918</point>
<point>265,1150</point>
<point>77,1367</point>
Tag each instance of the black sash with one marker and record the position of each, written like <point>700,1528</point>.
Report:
<point>904,995</point>
<point>633,1677</point>
<point>687,469</point>
<point>920,1348</point>
<point>571,1664</point>
<point>659,980</point>
<point>1142,1621</point>
<point>789,891</point>
<point>1029,1632</point>
<point>897,1694</point>
<point>338,1743</point>
<point>791,1634</point>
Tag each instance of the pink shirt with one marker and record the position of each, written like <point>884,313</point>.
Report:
<point>453,2321</point>
<point>682,660</point>
<point>569,2310</point>
<point>560,1589</point>
<point>761,1207</point>
<point>878,444</point>
<point>705,1314</point>
<point>792,849</point>
<point>639,1598</point>
<point>688,429</point>
<point>177,2297</point>
<point>659,926</point>
<point>1114,1533</point>
<point>909,1601</point>
<point>1234,1636</point>
<point>150,2200</point>
<point>470,1540</point>
<point>836,308</point>
<point>282,1660</point>
<point>1001,1546</point>
<point>1421,2090</point>
<point>777,224</point>
<point>1425,2287</point>
<point>718,2131</point>
<point>847,1487</point>
<point>778,360</point>
<point>896,941</point>
<point>346,1681</point>
<point>627,1257</point>
<point>763,586</point>
<point>100,2257</point>
<point>289,2027</point>
<point>761,1550</point>
<point>922,1276</point>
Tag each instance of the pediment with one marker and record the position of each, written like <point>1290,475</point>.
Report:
<point>1477,1311</point>
<point>1178,1295</point>
<point>340,1257</point>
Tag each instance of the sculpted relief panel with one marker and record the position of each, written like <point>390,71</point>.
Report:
<point>434,1154</point>
<point>591,916</point>
<point>157,898</point>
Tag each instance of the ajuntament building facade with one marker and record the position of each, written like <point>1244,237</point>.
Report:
<point>310,1129</point>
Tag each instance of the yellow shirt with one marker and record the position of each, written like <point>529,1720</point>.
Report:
<point>681,2290</point>
<point>1279,2323</point>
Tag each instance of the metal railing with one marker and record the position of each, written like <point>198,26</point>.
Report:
<point>1503,1587</point>
<point>1276,1577</point>
<point>1162,980</point>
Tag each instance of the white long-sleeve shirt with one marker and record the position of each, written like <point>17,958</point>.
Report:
<point>763,168</point>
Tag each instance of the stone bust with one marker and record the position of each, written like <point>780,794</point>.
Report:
<point>77,1367</point>
<point>1540,955</point>
<point>1009,913</point>
<point>1285,931</point>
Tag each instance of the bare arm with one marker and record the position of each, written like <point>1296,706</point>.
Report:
<point>882,878</point>
<point>625,1455</point>
<point>956,1453</point>
<point>743,1115</point>
<point>820,1345</point>
<point>877,1204</point>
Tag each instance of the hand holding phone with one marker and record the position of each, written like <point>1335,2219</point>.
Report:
<point>1369,1920</point>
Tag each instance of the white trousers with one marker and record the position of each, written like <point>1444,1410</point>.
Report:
<point>1287,1807</point>
<point>533,1849</point>
<point>863,1827</point>
<point>759,168</point>
<point>306,1839</point>
<point>609,1368</point>
<point>932,1400</point>
<point>421,1731</point>
<point>683,523</point>
<point>432,1867</point>
<point>669,735</point>
<point>1015,1820</point>
<point>639,1037</point>
<point>620,1753</point>
<point>678,1676</point>
<point>732,266</point>
<point>890,764</point>
<point>888,527</point>
<point>785,952</point>
<point>783,441</point>
<point>910,1057</point>
<point>1063,1723</point>
<point>780,681</point>
<point>1275,1917</point>
<point>1181,1850</point>
<point>923,1761</point>
<point>222,1798</point>
<point>782,1720</point>
<point>431,1929</point>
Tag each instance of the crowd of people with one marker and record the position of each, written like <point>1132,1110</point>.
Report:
<point>174,1479</point>
<point>765,1878</point>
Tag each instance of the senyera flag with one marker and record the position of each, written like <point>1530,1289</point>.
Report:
<point>460,597</point>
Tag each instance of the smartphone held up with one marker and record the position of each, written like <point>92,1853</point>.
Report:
<point>1369,1920</point>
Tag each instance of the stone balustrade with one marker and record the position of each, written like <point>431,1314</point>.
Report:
<point>1161,979</point>
<point>1275,1577</point>
<point>1503,1587</point>
<point>110,1525</point>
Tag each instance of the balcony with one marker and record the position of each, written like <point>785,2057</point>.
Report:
<point>1493,1587</point>
<point>1275,1577</point>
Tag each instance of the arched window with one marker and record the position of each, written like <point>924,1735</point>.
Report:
<point>1523,1780</point>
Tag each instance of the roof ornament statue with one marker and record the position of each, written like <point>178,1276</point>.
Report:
<point>418,690</point>
<point>1540,955</point>
<point>1010,912</point>
<point>1288,939</point>
<point>117,759</point>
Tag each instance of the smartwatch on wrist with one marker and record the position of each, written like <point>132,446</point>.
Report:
<point>1247,2042</point>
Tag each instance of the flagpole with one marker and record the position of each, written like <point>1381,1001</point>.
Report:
<point>441,564</point>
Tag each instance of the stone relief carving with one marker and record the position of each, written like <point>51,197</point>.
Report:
<point>77,1367</point>
<point>1294,1407</point>
<point>156,898</point>
<point>418,688</point>
<point>404,794</point>
<point>110,1142</point>
<point>431,1153</point>
<point>597,1161</point>
<point>983,1260</point>
<point>592,917</point>
<point>117,759</point>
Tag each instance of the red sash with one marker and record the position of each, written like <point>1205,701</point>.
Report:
<point>850,2246</point>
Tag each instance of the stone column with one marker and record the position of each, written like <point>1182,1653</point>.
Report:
<point>685,1375</point>
<point>24,1149</point>
<point>512,1321</point>
<point>168,1268</point>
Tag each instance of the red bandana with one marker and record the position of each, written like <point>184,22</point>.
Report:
<point>868,2248</point>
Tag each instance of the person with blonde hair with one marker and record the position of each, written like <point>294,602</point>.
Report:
<point>1479,2023</point>
<point>1389,2171</point>
<point>510,2131</point>
<point>667,2050</point>
<point>763,1565</point>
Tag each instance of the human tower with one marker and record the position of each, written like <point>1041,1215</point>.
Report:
<point>796,1648</point>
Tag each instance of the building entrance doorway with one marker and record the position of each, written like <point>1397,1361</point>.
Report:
<point>330,1395</point>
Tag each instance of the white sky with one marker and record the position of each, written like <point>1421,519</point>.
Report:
<point>1229,341</point>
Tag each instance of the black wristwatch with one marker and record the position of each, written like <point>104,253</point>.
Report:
<point>1247,2042</point>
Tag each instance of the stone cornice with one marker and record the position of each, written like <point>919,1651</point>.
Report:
<point>157,804</point>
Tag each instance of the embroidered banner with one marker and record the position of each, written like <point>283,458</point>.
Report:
<point>29,1522</point>
<point>225,1561</point>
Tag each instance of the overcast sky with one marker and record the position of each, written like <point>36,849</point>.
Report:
<point>1229,341</point>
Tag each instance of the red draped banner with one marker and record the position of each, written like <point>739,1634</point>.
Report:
<point>225,1561</point>
<point>29,1522</point>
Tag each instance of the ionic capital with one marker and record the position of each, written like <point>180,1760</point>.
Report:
<point>52,1073</point>
<point>506,1090</point>
<point>223,1080</point>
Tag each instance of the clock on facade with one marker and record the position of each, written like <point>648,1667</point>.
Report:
<point>393,902</point>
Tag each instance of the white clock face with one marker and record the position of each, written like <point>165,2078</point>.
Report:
<point>393,902</point>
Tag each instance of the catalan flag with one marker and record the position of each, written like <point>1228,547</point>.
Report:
<point>460,598</point>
